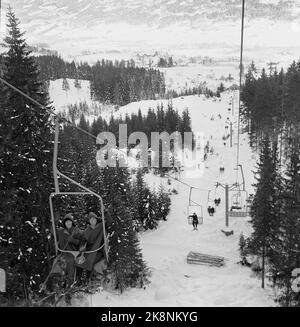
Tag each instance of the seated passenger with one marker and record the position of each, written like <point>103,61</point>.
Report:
<point>68,240</point>
<point>94,239</point>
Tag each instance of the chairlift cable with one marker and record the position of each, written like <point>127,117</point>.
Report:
<point>188,185</point>
<point>45,108</point>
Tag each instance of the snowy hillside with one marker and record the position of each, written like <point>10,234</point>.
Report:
<point>182,78</point>
<point>173,281</point>
<point>61,99</point>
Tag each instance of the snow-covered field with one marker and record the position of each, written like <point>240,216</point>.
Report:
<point>61,98</point>
<point>173,281</point>
<point>181,78</point>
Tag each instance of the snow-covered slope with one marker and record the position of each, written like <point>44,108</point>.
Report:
<point>173,281</point>
<point>61,99</point>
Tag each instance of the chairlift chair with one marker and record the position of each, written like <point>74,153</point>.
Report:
<point>85,191</point>
<point>192,208</point>
<point>198,210</point>
<point>238,206</point>
<point>52,211</point>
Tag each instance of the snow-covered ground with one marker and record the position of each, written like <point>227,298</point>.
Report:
<point>61,98</point>
<point>173,281</point>
<point>181,78</point>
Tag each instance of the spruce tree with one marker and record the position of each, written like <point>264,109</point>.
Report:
<point>264,206</point>
<point>125,257</point>
<point>141,200</point>
<point>77,84</point>
<point>25,166</point>
<point>163,204</point>
<point>65,85</point>
<point>286,256</point>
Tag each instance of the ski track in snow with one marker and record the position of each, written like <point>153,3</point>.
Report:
<point>173,281</point>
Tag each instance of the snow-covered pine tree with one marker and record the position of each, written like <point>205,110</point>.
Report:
<point>163,203</point>
<point>243,248</point>
<point>126,261</point>
<point>65,85</point>
<point>141,200</point>
<point>152,219</point>
<point>125,257</point>
<point>25,166</point>
<point>265,203</point>
<point>77,84</point>
<point>286,255</point>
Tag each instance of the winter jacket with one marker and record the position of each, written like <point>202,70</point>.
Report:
<point>195,219</point>
<point>94,239</point>
<point>69,239</point>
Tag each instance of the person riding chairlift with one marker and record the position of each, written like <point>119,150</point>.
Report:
<point>217,201</point>
<point>68,240</point>
<point>195,220</point>
<point>211,210</point>
<point>94,239</point>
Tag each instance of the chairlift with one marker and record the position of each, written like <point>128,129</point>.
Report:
<point>85,191</point>
<point>211,203</point>
<point>198,210</point>
<point>98,205</point>
<point>83,199</point>
<point>239,204</point>
<point>192,208</point>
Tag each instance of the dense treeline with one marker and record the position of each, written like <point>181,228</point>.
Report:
<point>118,82</point>
<point>271,109</point>
<point>197,90</point>
<point>73,112</point>
<point>121,85</point>
<point>165,62</point>
<point>160,120</point>
<point>271,102</point>
<point>275,212</point>
<point>53,67</point>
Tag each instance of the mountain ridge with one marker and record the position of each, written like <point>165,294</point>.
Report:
<point>79,25</point>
